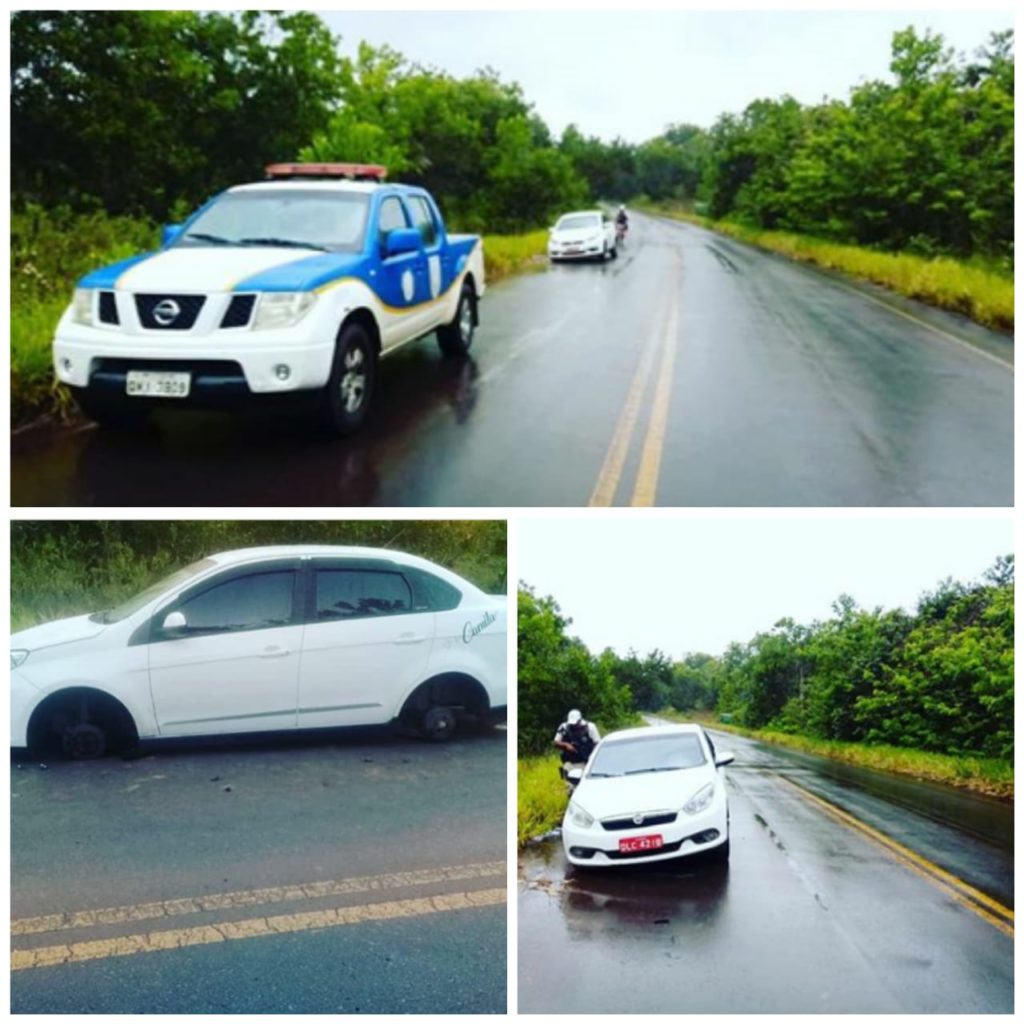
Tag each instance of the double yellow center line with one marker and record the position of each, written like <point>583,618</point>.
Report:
<point>255,927</point>
<point>646,484</point>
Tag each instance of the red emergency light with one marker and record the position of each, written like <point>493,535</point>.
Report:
<point>352,172</point>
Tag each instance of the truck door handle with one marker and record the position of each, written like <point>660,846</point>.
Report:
<point>275,652</point>
<point>410,638</point>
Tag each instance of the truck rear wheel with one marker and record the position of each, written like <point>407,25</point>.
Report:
<point>456,338</point>
<point>345,401</point>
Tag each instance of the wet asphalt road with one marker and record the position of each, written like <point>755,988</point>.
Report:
<point>691,371</point>
<point>412,836</point>
<point>810,916</point>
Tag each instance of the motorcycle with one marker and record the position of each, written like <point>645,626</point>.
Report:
<point>621,228</point>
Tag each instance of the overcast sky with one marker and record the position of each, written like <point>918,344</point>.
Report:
<point>630,74</point>
<point>695,584</point>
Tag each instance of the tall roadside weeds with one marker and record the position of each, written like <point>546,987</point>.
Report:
<point>541,796</point>
<point>505,255</point>
<point>976,290</point>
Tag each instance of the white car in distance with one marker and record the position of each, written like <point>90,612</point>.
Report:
<point>265,639</point>
<point>584,235</point>
<point>646,795</point>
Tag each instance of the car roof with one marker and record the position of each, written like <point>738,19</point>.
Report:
<point>683,728</point>
<point>308,551</point>
<point>325,185</point>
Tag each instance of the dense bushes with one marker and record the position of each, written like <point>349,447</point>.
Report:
<point>65,568</point>
<point>556,673</point>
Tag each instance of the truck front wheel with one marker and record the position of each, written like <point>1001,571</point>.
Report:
<point>455,338</point>
<point>345,401</point>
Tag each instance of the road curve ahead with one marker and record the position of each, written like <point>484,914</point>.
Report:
<point>691,371</point>
<point>832,903</point>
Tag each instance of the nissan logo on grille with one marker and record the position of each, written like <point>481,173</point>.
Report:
<point>638,819</point>
<point>166,312</point>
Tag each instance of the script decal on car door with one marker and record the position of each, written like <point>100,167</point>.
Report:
<point>469,630</point>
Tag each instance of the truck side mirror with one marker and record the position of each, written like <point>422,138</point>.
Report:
<point>403,240</point>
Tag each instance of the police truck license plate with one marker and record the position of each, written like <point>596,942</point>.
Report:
<point>641,844</point>
<point>153,384</point>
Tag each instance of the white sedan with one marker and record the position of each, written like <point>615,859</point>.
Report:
<point>264,639</point>
<point>647,795</point>
<point>586,235</point>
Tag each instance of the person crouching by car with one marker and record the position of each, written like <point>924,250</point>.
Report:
<point>576,738</point>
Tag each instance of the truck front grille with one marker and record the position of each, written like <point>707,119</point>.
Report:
<point>168,312</point>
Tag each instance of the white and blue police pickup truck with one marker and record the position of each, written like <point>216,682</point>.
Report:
<point>290,288</point>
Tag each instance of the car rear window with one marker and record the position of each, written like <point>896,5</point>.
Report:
<point>358,593</point>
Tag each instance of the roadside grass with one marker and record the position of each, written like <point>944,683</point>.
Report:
<point>991,776</point>
<point>505,255</point>
<point>52,249</point>
<point>540,796</point>
<point>974,289</point>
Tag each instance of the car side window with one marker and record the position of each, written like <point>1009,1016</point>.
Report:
<point>423,219</point>
<point>429,593</point>
<point>360,593</point>
<point>260,601</point>
<point>392,216</point>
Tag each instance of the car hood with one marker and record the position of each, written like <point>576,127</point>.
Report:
<point>224,269</point>
<point>653,791</point>
<point>51,634</point>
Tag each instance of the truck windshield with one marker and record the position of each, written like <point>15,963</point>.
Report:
<point>331,221</point>
<point>647,754</point>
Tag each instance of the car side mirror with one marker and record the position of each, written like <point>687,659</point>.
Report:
<point>726,757</point>
<point>174,622</point>
<point>170,232</point>
<point>403,240</point>
<point>575,774</point>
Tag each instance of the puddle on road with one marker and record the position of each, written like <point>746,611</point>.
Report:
<point>636,898</point>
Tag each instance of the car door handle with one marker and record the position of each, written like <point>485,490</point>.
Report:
<point>410,638</point>
<point>275,652</point>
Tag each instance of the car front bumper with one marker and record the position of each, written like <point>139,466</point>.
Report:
<point>228,364</point>
<point>688,834</point>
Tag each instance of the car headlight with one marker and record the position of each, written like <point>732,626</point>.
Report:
<point>700,800</point>
<point>81,306</point>
<point>578,816</point>
<point>18,658</point>
<point>282,309</point>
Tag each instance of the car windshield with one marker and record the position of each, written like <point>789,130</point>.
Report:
<point>576,221</point>
<point>132,605</point>
<point>333,221</point>
<point>647,754</point>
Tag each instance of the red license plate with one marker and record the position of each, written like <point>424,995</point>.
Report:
<point>640,844</point>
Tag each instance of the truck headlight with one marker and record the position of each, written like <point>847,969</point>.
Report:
<point>700,800</point>
<point>81,306</point>
<point>578,816</point>
<point>18,657</point>
<point>282,309</point>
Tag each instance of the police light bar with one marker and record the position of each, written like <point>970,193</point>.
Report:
<point>353,172</point>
